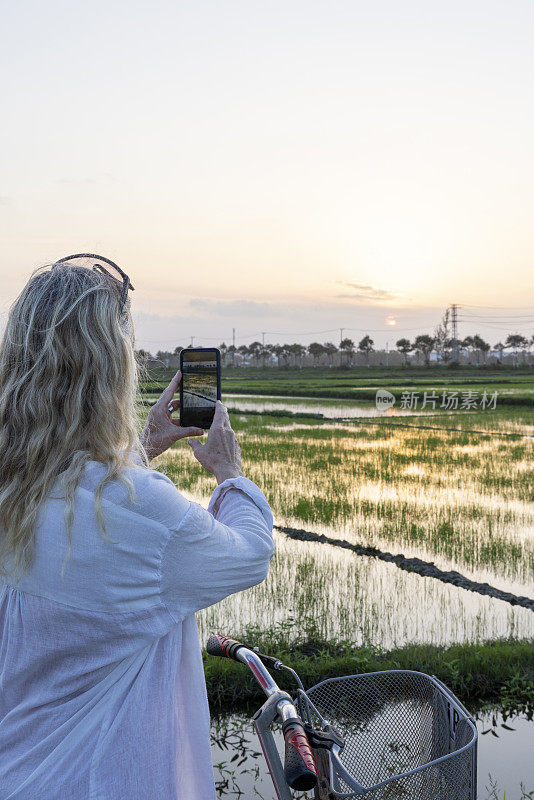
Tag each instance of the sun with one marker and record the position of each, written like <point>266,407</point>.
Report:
<point>391,321</point>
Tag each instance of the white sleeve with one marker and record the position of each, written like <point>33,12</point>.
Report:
<point>216,552</point>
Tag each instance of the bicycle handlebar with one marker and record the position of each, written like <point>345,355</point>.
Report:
<point>223,646</point>
<point>299,764</point>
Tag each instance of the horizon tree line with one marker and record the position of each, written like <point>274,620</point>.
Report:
<point>283,355</point>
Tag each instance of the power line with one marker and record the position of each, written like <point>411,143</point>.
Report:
<point>507,320</point>
<point>302,333</point>
<point>392,329</point>
<point>501,308</point>
<point>525,326</point>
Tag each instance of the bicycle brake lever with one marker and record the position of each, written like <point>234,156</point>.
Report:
<point>326,738</point>
<point>269,661</point>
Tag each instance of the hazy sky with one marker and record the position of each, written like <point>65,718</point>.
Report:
<point>287,167</point>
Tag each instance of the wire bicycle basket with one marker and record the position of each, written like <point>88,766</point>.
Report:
<point>405,735</point>
<point>380,736</point>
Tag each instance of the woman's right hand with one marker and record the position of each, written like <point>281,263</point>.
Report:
<point>220,455</point>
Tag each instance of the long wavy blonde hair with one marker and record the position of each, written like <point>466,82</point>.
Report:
<point>69,393</point>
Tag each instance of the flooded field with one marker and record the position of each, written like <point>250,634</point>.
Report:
<point>308,405</point>
<point>461,498</point>
<point>505,770</point>
<point>364,601</point>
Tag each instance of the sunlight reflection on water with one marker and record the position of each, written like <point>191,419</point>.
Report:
<point>363,600</point>
<point>309,405</point>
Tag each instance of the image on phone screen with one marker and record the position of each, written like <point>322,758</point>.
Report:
<point>200,387</point>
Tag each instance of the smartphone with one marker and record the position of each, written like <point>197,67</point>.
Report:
<point>200,386</point>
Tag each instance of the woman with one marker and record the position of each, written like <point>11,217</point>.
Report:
<point>104,563</point>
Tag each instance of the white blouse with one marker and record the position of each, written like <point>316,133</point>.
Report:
<point>102,691</point>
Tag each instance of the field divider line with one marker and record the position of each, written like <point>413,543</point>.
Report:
<point>427,569</point>
<point>428,427</point>
<point>320,418</point>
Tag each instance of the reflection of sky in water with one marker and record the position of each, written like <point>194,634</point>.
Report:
<point>507,759</point>
<point>363,600</point>
<point>462,510</point>
<point>491,536</point>
<point>399,509</point>
<point>309,405</point>
<point>510,574</point>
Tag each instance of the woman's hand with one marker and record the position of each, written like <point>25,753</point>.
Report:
<point>220,455</point>
<point>161,430</point>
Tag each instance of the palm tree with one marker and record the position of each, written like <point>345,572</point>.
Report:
<point>468,344</point>
<point>516,342</point>
<point>500,347</point>
<point>232,350</point>
<point>404,346</point>
<point>347,346</point>
<point>330,350</point>
<point>298,351</point>
<point>424,344</point>
<point>366,345</point>
<point>264,352</point>
<point>224,350</point>
<point>480,346</point>
<point>244,352</point>
<point>277,350</point>
<point>254,350</point>
<point>286,353</point>
<point>316,350</point>
<point>448,349</point>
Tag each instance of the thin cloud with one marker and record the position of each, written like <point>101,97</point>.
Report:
<point>232,308</point>
<point>364,291</point>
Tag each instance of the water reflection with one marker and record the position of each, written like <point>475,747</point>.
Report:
<point>310,405</point>
<point>363,600</point>
<point>464,506</point>
<point>504,758</point>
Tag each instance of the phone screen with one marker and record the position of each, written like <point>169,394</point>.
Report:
<point>200,386</point>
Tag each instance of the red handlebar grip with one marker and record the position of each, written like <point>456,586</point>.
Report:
<point>299,767</point>
<point>219,645</point>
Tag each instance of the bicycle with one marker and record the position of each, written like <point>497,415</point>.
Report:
<point>379,735</point>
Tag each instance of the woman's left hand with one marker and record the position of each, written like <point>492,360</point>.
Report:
<point>161,430</point>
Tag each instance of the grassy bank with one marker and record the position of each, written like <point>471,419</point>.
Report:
<point>360,385</point>
<point>497,672</point>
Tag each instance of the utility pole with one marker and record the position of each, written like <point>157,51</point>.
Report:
<point>387,354</point>
<point>341,335</point>
<point>263,339</point>
<point>454,321</point>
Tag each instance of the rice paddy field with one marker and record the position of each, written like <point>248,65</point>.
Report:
<point>453,487</point>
